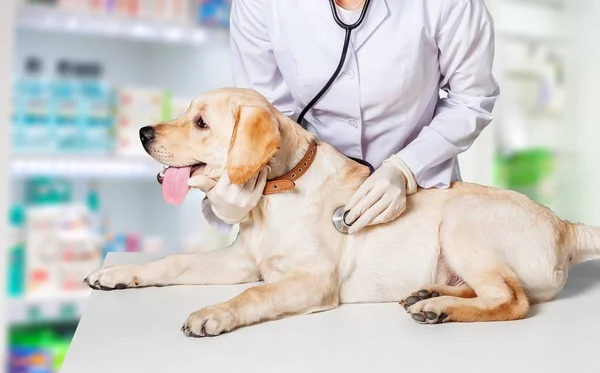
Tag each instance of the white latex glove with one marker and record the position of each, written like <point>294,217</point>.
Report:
<point>231,203</point>
<point>222,227</point>
<point>382,197</point>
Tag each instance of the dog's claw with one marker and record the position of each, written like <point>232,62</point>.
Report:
<point>189,333</point>
<point>442,317</point>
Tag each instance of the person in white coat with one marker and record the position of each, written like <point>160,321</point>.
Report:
<point>385,107</point>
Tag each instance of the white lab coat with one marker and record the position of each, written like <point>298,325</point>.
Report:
<point>386,100</point>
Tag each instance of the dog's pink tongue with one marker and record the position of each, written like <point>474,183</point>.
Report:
<point>175,184</point>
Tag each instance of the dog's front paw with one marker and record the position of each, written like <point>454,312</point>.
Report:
<point>111,278</point>
<point>209,322</point>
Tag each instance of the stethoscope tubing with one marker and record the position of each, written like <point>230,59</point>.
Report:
<point>348,28</point>
<point>339,215</point>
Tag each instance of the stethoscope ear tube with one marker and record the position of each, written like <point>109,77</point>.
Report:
<point>346,26</point>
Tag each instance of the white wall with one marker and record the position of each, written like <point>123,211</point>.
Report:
<point>191,70</point>
<point>583,118</point>
<point>573,28</point>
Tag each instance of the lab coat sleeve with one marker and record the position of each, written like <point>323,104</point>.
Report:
<point>212,219</point>
<point>254,64</point>
<point>465,39</point>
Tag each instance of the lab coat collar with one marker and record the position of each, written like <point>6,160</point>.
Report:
<point>376,14</point>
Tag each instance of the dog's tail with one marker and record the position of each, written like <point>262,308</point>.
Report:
<point>583,242</point>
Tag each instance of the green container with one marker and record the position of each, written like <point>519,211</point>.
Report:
<point>529,172</point>
<point>43,339</point>
<point>47,191</point>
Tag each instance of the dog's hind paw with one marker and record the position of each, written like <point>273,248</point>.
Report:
<point>417,297</point>
<point>428,317</point>
<point>425,307</point>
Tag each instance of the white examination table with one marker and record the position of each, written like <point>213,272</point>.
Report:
<point>138,330</point>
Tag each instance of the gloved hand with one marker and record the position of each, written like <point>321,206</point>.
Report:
<point>382,197</point>
<point>231,203</point>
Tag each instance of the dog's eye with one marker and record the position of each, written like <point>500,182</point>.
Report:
<point>200,123</point>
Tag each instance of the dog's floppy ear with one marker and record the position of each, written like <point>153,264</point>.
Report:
<point>254,140</point>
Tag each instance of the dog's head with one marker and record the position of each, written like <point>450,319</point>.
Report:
<point>226,130</point>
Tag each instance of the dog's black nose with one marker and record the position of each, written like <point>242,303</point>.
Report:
<point>146,134</point>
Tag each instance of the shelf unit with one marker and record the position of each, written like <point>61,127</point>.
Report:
<point>47,308</point>
<point>134,53</point>
<point>43,18</point>
<point>112,167</point>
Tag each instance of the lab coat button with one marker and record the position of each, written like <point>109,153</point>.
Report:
<point>351,74</point>
<point>353,123</point>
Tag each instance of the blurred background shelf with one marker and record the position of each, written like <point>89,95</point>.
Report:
<point>47,308</point>
<point>86,75</point>
<point>85,166</point>
<point>44,18</point>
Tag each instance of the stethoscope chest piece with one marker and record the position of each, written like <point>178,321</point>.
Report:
<point>339,221</point>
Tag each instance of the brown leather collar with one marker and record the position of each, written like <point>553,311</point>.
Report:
<point>286,182</point>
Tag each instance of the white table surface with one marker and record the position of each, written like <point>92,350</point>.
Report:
<point>138,330</point>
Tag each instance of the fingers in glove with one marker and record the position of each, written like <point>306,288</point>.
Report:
<point>224,189</point>
<point>369,215</point>
<point>372,195</point>
<point>250,185</point>
<point>202,182</point>
<point>225,183</point>
<point>356,198</point>
<point>392,212</point>
<point>257,182</point>
<point>261,181</point>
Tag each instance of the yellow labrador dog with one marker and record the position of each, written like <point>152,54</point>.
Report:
<point>467,253</point>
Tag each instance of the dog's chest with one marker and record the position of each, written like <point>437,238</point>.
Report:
<point>278,254</point>
<point>288,240</point>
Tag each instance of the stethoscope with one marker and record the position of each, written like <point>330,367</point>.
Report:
<point>339,214</point>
